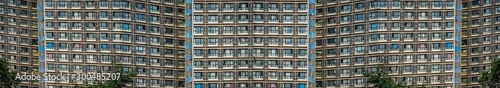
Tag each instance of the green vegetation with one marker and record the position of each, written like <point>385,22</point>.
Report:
<point>125,77</point>
<point>7,76</point>
<point>381,79</point>
<point>491,78</point>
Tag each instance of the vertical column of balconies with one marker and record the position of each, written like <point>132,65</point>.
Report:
<point>311,70</point>
<point>189,45</point>
<point>457,31</point>
<point>41,42</point>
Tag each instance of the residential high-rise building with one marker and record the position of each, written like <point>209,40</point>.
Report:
<point>414,38</point>
<point>19,36</point>
<point>480,39</point>
<point>92,36</point>
<point>252,43</point>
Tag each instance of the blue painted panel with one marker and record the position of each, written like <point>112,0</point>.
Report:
<point>312,57</point>
<point>311,68</point>
<point>199,85</point>
<point>189,79</point>
<point>457,49</point>
<point>312,45</point>
<point>302,85</point>
<point>41,38</point>
<point>458,38</point>
<point>189,1</point>
<point>41,28</point>
<point>312,34</point>
<point>458,7</point>
<point>188,12</point>
<point>312,79</point>
<point>189,34</point>
<point>189,23</point>
<point>459,18</point>
<point>458,59</point>
<point>42,80</point>
<point>312,12</point>
<point>457,80</point>
<point>40,17</point>
<point>312,23</point>
<point>41,58</point>
<point>189,46</point>
<point>188,57</point>
<point>189,68</point>
<point>458,29</point>
<point>312,1</point>
<point>41,69</point>
<point>40,7</point>
<point>41,48</point>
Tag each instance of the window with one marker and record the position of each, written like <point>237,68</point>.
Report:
<point>227,30</point>
<point>198,30</point>
<point>228,6</point>
<point>332,10</point>
<point>258,6</point>
<point>346,8</point>
<point>61,4</point>
<point>213,30</point>
<point>273,6</point>
<point>288,30</point>
<point>242,6</point>
<point>288,7</point>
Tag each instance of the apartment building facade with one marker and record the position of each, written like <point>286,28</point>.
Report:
<point>19,36</point>
<point>480,39</point>
<point>414,38</point>
<point>252,43</point>
<point>92,36</point>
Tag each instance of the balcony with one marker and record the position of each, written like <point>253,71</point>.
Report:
<point>258,9</point>
<point>258,65</point>
<point>272,77</point>
<point>198,78</point>
<point>287,66</point>
<point>227,66</point>
<point>408,50</point>
<point>243,66</point>
<point>230,77</point>
<point>359,84</point>
<point>345,85</point>
<point>228,9</point>
<point>273,20</point>
<point>344,74</point>
<point>213,66</point>
<point>275,66</point>
<point>302,66</point>
<point>273,9</point>
<point>213,78</point>
<point>242,55</point>
<point>258,77</point>
<point>287,78</point>
<point>213,55</point>
<point>243,9</point>
<point>258,20</point>
<point>301,78</point>
<point>242,77</point>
